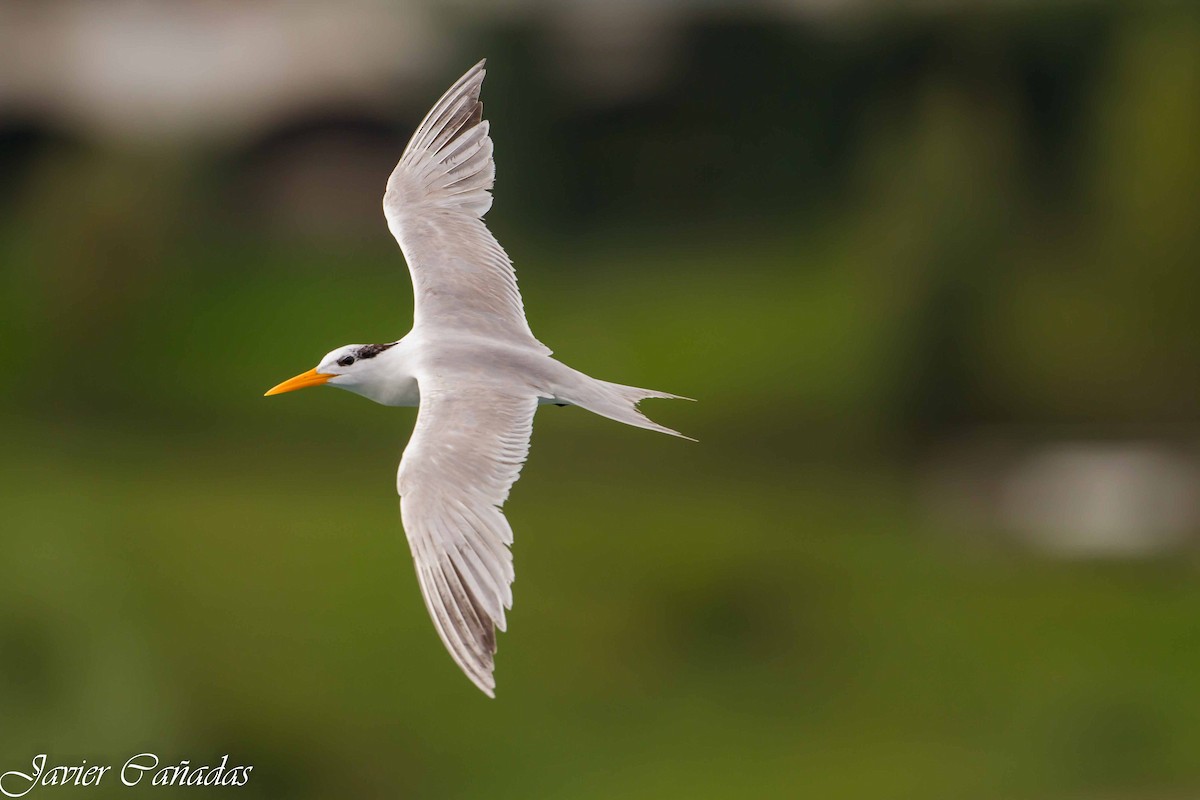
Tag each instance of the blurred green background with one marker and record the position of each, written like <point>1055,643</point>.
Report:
<point>930,269</point>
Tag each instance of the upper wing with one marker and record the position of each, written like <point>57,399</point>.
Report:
<point>434,204</point>
<point>465,454</point>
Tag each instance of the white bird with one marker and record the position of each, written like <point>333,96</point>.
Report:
<point>475,369</point>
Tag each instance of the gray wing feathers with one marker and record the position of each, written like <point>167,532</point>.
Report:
<point>434,204</point>
<point>448,161</point>
<point>465,454</point>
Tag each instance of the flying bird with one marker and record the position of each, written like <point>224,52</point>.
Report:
<point>475,370</point>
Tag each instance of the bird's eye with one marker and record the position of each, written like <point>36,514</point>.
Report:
<point>345,361</point>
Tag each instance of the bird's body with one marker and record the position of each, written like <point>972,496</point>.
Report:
<point>473,366</point>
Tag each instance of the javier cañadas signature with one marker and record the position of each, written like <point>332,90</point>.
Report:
<point>144,765</point>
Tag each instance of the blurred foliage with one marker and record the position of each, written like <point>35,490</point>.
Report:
<point>848,243</point>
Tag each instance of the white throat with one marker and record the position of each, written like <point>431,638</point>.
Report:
<point>387,378</point>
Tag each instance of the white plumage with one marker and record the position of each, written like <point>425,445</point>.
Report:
<point>475,369</point>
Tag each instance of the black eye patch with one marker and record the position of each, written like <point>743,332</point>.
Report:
<point>345,361</point>
<point>372,350</point>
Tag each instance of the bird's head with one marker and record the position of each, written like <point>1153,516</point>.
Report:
<point>347,367</point>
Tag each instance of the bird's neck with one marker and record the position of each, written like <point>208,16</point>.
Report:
<point>389,379</point>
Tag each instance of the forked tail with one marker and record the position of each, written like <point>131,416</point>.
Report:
<point>617,402</point>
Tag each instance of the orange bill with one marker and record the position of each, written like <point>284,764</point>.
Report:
<point>302,381</point>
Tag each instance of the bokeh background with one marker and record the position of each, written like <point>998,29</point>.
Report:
<point>930,269</point>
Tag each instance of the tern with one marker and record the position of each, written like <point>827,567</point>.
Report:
<point>473,367</point>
